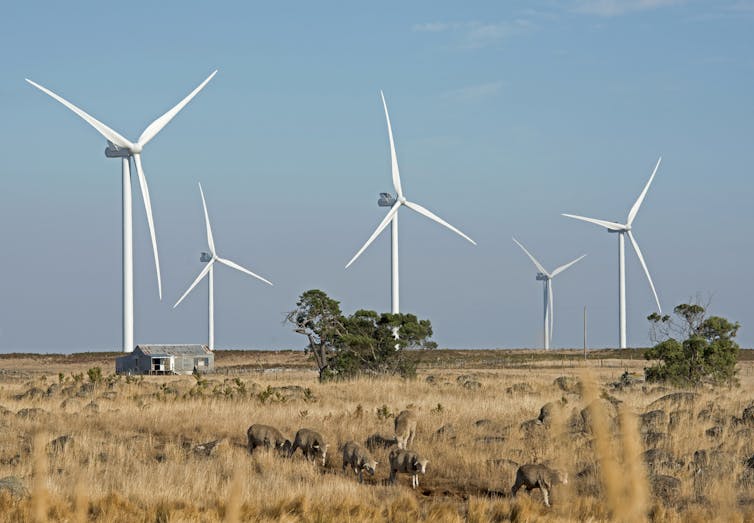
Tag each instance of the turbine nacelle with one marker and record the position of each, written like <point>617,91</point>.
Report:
<point>542,276</point>
<point>205,257</point>
<point>386,200</point>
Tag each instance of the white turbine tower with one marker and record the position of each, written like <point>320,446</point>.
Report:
<point>546,277</point>
<point>210,259</point>
<point>120,147</point>
<point>395,203</point>
<point>625,230</point>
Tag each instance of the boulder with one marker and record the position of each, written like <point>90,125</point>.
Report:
<point>667,488</point>
<point>568,384</point>
<point>13,485</point>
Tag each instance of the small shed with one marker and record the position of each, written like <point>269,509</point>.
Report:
<point>166,359</point>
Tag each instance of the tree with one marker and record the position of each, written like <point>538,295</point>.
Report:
<point>692,349</point>
<point>318,317</point>
<point>363,343</point>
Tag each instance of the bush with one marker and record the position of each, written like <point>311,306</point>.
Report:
<point>706,354</point>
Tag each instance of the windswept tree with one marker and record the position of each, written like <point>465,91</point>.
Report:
<point>692,348</point>
<point>362,343</point>
<point>318,317</point>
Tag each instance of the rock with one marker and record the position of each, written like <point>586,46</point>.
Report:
<point>30,394</point>
<point>59,444</point>
<point>667,488</point>
<point>520,388</point>
<point>712,412</point>
<point>4,411</point>
<point>70,405</point>
<point>652,421</point>
<point>568,384</point>
<point>11,461</point>
<point>483,422</point>
<point>547,411</point>
<point>13,485</point>
<point>675,399</point>
<point>209,448</point>
<point>110,395</point>
<point>680,419</point>
<point>52,389</point>
<point>85,390</point>
<point>472,385</point>
<point>652,439</point>
<point>714,432</point>
<point>33,414</point>
<point>447,431</point>
<point>747,417</point>
<point>656,458</point>
<point>91,407</point>
<point>430,379</point>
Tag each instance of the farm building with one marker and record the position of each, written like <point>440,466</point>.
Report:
<point>166,359</point>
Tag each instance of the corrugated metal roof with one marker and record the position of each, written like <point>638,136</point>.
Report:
<point>174,350</point>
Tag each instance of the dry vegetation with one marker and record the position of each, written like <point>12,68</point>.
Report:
<point>134,449</point>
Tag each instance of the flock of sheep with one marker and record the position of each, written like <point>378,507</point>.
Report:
<point>314,446</point>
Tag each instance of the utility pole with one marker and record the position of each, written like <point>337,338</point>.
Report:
<point>584,332</point>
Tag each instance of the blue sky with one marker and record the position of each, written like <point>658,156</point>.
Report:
<point>505,115</point>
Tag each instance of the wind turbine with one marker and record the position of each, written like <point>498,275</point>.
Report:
<point>210,258</point>
<point>547,277</point>
<point>395,203</point>
<point>120,147</point>
<point>625,230</point>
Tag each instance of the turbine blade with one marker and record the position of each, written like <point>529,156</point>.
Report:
<point>421,210</point>
<point>564,267</point>
<point>196,281</point>
<point>532,258</point>
<point>234,265</point>
<point>646,271</point>
<point>640,199</point>
<point>210,239</point>
<point>552,308</point>
<point>103,129</point>
<point>377,231</point>
<point>150,220</point>
<point>157,126</point>
<point>613,226</point>
<point>393,157</point>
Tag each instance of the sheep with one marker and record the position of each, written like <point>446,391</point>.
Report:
<point>269,437</point>
<point>409,462</point>
<point>311,443</point>
<point>378,441</point>
<point>405,428</point>
<point>538,476</point>
<point>359,459</point>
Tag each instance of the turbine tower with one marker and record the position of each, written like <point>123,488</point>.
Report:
<point>624,229</point>
<point>210,258</point>
<point>120,147</point>
<point>547,277</point>
<point>395,203</point>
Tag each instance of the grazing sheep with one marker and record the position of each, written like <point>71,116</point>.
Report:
<point>408,462</point>
<point>311,443</point>
<point>378,441</point>
<point>405,428</point>
<point>359,459</point>
<point>538,476</point>
<point>268,437</point>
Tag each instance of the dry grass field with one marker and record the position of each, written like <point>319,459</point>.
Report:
<point>134,450</point>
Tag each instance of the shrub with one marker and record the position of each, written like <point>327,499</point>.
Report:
<point>705,354</point>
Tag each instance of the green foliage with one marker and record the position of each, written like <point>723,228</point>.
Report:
<point>384,413</point>
<point>694,350</point>
<point>77,378</point>
<point>363,343</point>
<point>95,375</point>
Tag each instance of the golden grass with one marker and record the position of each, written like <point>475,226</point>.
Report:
<point>132,459</point>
